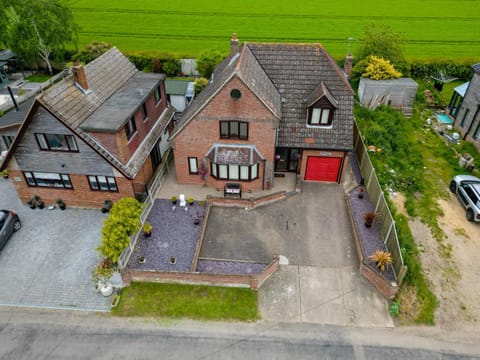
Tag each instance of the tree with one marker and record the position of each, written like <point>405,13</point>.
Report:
<point>172,66</point>
<point>200,84</point>
<point>207,61</point>
<point>92,51</point>
<point>382,41</point>
<point>380,69</point>
<point>38,29</point>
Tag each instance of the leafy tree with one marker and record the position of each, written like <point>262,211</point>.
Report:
<point>382,41</point>
<point>207,61</point>
<point>172,66</point>
<point>92,51</point>
<point>380,69</point>
<point>122,222</point>
<point>38,29</point>
<point>200,84</point>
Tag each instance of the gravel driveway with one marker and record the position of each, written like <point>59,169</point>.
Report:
<point>48,262</point>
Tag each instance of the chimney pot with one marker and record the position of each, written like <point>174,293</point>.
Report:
<point>234,44</point>
<point>79,75</point>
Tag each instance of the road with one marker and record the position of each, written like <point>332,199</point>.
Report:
<point>42,334</point>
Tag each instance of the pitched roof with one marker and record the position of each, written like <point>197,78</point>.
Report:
<point>296,70</point>
<point>288,77</point>
<point>115,91</point>
<point>246,67</point>
<point>234,154</point>
<point>15,118</point>
<point>476,68</point>
<point>176,87</point>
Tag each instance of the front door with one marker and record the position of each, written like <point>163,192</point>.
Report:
<point>286,159</point>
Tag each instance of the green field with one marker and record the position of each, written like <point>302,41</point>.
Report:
<point>434,29</point>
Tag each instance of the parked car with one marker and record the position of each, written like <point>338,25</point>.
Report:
<point>467,188</point>
<point>9,223</point>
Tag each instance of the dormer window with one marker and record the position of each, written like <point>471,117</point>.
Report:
<point>320,116</point>
<point>321,107</point>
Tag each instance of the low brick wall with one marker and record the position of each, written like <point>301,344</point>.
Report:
<point>253,281</point>
<point>250,203</point>
<point>200,240</point>
<point>385,287</point>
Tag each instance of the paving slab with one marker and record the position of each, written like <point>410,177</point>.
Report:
<point>48,262</point>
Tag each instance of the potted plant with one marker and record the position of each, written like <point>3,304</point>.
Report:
<point>196,221</point>
<point>147,229</point>
<point>4,173</point>
<point>39,203</point>
<point>361,193</point>
<point>174,200</point>
<point>32,204</point>
<point>107,205</point>
<point>369,218</point>
<point>61,204</point>
<point>382,259</point>
<point>102,273</point>
<point>191,200</point>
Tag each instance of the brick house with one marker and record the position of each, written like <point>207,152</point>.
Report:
<point>467,117</point>
<point>268,108</point>
<point>98,134</point>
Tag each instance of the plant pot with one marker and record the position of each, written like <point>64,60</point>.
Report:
<point>62,206</point>
<point>40,204</point>
<point>360,195</point>
<point>368,224</point>
<point>147,234</point>
<point>196,221</point>
<point>32,206</point>
<point>106,289</point>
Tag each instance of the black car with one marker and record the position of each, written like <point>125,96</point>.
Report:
<point>9,223</point>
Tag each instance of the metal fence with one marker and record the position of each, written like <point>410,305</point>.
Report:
<point>152,188</point>
<point>388,230</point>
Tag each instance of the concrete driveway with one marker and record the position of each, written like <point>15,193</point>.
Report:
<point>48,262</point>
<point>321,284</point>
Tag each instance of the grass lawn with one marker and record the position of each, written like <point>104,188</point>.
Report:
<point>188,301</point>
<point>434,28</point>
<point>38,78</point>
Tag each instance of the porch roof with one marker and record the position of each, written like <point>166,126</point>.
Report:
<point>462,89</point>
<point>234,154</point>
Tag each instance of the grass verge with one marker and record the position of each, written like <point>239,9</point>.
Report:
<point>187,301</point>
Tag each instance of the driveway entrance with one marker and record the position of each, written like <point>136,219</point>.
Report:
<point>322,283</point>
<point>48,262</point>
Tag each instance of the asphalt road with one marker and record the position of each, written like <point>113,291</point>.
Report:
<point>29,334</point>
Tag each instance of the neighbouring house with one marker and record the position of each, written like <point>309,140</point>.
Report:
<point>10,123</point>
<point>457,98</point>
<point>268,108</point>
<point>98,134</point>
<point>397,93</point>
<point>467,119</point>
<point>180,93</point>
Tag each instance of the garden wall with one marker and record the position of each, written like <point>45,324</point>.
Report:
<point>253,281</point>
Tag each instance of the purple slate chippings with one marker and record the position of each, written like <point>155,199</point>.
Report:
<point>175,235</point>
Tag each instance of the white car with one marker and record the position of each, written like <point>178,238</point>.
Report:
<point>467,188</point>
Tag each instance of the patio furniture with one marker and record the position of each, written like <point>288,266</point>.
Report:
<point>232,189</point>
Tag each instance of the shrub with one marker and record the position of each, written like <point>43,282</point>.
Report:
<point>381,258</point>
<point>380,69</point>
<point>172,67</point>
<point>92,51</point>
<point>207,61</point>
<point>121,223</point>
<point>200,84</point>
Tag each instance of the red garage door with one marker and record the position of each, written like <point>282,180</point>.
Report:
<point>323,168</point>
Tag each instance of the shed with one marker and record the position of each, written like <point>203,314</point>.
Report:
<point>180,93</point>
<point>398,93</point>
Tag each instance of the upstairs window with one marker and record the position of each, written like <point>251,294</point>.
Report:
<point>320,116</point>
<point>234,130</point>
<point>157,94</point>
<point>130,128</point>
<point>56,142</point>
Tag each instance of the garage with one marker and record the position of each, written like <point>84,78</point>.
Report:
<point>320,168</point>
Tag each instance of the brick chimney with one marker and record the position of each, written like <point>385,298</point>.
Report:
<point>347,66</point>
<point>79,75</point>
<point>234,44</point>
